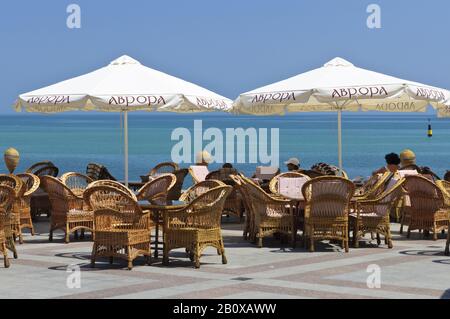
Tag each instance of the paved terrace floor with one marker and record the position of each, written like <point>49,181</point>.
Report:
<point>414,268</point>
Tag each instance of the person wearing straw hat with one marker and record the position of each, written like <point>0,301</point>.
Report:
<point>408,160</point>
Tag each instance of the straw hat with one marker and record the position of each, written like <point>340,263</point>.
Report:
<point>203,158</point>
<point>407,157</point>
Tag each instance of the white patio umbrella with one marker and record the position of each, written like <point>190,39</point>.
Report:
<point>340,86</point>
<point>122,86</point>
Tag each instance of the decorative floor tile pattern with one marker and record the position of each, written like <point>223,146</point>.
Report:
<point>415,268</point>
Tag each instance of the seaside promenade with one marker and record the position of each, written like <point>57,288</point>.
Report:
<point>414,268</point>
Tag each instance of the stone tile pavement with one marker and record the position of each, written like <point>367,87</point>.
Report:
<point>415,268</point>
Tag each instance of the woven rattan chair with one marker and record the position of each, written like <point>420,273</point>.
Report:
<point>175,191</point>
<point>197,226</point>
<point>122,229</point>
<point>157,190</point>
<point>69,212</point>
<point>98,172</point>
<point>13,222</point>
<point>162,168</point>
<point>268,214</point>
<point>273,185</point>
<point>43,168</point>
<point>106,182</point>
<point>427,211</point>
<point>31,183</point>
<point>198,172</point>
<point>76,182</point>
<point>327,208</point>
<point>373,186</point>
<point>445,187</point>
<point>233,204</point>
<point>372,215</point>
<point>198,189</point>
<point>7,197</point>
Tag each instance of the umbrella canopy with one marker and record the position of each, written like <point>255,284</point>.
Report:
<point>122,86</point>
<point>340,86</point>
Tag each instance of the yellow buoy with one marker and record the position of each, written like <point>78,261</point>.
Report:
<point>430,131</point>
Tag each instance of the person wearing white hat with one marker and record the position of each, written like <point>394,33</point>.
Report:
<point>293,164</point>
<point>203,158</point>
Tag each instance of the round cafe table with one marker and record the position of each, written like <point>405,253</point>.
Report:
<point>157,215</point>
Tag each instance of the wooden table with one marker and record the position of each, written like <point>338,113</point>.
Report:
<point>157,212</point>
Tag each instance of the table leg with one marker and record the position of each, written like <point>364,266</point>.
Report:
<point>156,233</point>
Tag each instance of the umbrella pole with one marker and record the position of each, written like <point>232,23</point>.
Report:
<point>340,140</point>
<point>125,128</point>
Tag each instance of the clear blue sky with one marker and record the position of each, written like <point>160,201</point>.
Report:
<point>228,46</point>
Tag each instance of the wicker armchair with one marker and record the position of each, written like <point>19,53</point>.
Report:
<point>273,185</point>
<point>267,214</point>
<point>106,182</point>
<point>122,229</point>
<point>327,208</point>
<point>43,168</point>
<point>234,203</point>
<point>445,187</point>
<point>427,211</point>
<point>76,182</point>
<point>31,183</point>
<point>163,168</point>
<point>373,186</point>
<point>198,189</point>
<point>157,190</point>
<point>197,226</point>
<point>98,172</point>
<point>175,191</point>
<point>372,215</point>
<point>69,212</point>
<point>13,222</point>
<point>7,197</point>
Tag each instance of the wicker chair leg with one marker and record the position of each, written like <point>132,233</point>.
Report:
<point>32,227</point>
<point>260,240</point>
<point>197,256</point>
<point>5,255</point>
<point>346,245</point>
<point>12,247</point>
<point>165,255</point>
<point>435,232</point>
<point>67,237</point>
<point>408,234</point>
<point>222,252</point>
<point>50,235</point>
<point>93,255</point>
<point>129,259</point>
<point>148,259</point>
<point>378,239</point>
<point>447,245</point>
<point>311,240</point>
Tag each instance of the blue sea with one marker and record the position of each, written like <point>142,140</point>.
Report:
<point>72,140</point>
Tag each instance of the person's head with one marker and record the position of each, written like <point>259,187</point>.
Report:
<point>227,165</point>
<point>203,158</point>
<point>292,164</point>
<point>447,176</point>
<point>392,161</point>
<point>407,158</point>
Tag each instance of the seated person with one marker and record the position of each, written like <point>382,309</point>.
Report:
<point>408,160</point>
<point>447,176</point>
<point>392,164</point>
<point>293,164</point>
